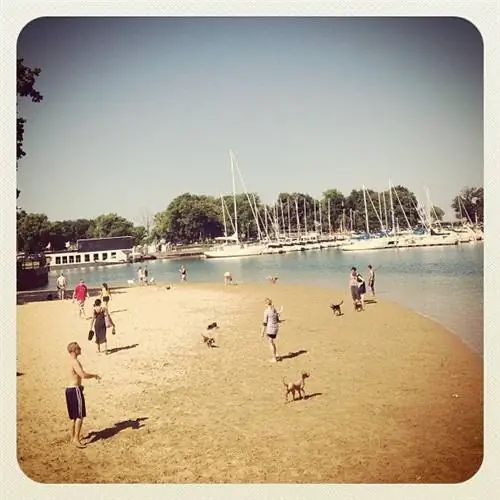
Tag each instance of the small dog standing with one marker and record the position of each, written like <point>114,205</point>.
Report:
<point>336,308</point>
<point>358,306</point>
<point>297,386</point>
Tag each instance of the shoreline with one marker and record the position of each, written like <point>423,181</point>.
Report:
<point>24,297</point>
<point>393,397</point>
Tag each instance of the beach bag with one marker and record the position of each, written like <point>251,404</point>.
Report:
<point>107,320</point>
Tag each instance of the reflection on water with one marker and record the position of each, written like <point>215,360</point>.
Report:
<point>443,283</point>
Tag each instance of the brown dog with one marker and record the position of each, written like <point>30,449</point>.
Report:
<point>297,386</point>
<point>336,308</point>
<point>210,341</point>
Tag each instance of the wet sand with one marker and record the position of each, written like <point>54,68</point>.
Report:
<point>393,397</point>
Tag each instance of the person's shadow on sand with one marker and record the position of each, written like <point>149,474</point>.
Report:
<point>292,354</point>
<point>92,437</point>
<point>314,394</point>
<point>118,349</point>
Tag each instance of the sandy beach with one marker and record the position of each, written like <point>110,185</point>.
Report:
<point>393,397</point>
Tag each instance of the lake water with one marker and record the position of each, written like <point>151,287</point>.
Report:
<point>444,283</point>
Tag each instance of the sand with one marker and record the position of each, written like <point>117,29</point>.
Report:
<point>393,397</point>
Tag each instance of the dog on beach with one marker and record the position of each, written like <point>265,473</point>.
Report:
<point>296,386</point>
<point>358,306</point>
<point>336,308</point>
<point>213,325</point>
<point>209,341</point>
<point>130,282</point>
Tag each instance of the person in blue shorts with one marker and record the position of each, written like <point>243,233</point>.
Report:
<point>75,399</point>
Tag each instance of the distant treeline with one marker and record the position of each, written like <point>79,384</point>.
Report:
<point>196,218</point>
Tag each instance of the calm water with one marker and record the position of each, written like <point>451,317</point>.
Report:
<point>444,283</point>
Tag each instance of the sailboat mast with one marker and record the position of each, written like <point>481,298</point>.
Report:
<point>380,206</point>
<point>393,228</point>
<point>289,220</point>
<point>297,214</point>
<point>223,214</point>
<point>366,211</point>
<point>305,217</point>
<point>282,217</point>
<point>320,221</point>
<point>385,213</point>
<point>234,199</point>
<point>329,219</point>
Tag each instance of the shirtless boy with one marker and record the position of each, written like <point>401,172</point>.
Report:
<point>75,400</point>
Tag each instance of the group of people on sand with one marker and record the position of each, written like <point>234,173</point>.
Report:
<point>100,322</point>
<point>357,285</point>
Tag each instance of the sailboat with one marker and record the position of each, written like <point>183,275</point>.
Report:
<point>231,246</point>
<point>370,242</point>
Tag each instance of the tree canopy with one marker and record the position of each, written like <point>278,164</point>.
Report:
<point>26,79</point>
<point>193,218</point>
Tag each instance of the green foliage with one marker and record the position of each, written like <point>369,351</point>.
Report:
<point>437,213</point>
<point>108,225</point>
<point>33,232</point>
<point>193,218</point>
<point>26,78</point>
<point>469,204</point>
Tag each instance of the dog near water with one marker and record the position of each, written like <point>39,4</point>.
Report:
<point>296,386</point>
<point>358,306</point>
<point>336,308</point>
<point>130,282</point>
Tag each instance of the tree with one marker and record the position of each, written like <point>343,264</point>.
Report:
<point>26,78</point>
<point>334,199</point>
<point>139,234</point>
<point>469,205</point>
<point>33,232</point>
<point>437,213</point>
<point>189,218</point>
<point>109,225</point>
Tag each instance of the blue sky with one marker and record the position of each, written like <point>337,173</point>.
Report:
<point>137,111</point>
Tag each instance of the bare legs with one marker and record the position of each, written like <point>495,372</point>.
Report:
<point>272,345</point>
<point>76,429</point>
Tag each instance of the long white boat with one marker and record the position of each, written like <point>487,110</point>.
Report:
<point>230,246</point>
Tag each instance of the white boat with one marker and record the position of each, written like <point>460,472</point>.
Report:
<point>93,252</point>
<point>372,243</point>
<point>231,246</point>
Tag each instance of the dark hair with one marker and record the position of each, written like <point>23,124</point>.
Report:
<point>105,285</point>
<point>97,302</point>
<point>369,266</point>
<point>353,269</point>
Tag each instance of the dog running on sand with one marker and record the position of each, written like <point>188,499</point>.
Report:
<point>358,306</point>
<point>297,386</point>
<point>210,341</point>
<point>336,308</point>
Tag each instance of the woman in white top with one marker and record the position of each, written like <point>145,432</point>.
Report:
<point>270,327</point>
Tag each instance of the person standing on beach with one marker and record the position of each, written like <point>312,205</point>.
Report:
<point>61,284</point>
<point>146,274</point>
<point>362,289</point>
<point>371,279</point>
<point>270,327</point>
<point>183,272</point>
<point>105,295</point>
<point>353,286</point>
<point>100,322</point>
<point>80,294</point>
<point>140,275</point>
<point>75,399</point>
